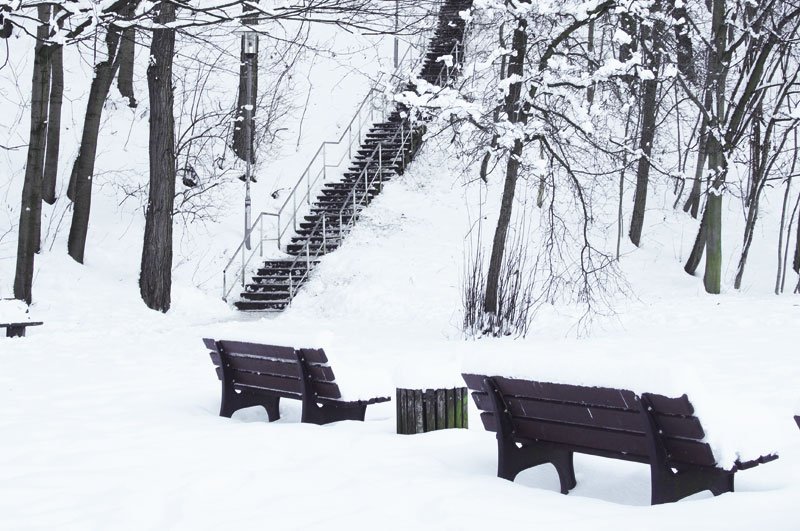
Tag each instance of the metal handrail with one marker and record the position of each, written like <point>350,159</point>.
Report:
<point>280,216</point>
<point>351,201</point>
<point>352,140</point>
<point>405,134</point>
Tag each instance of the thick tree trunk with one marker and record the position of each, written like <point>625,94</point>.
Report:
<point>155,280</point>
<point>516,114</point>
<point>652,36</point>
<point>80,189</point>
<point>716,156</point>
<point>30,215</point>
<point>53,125</point>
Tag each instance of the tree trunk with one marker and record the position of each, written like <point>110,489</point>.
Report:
<point>516,114</point>
<point>692,204</point>
<point>30,214</point>
<point>127,51</point>
<point>80,189</point>
<point>49,176</point>
<point>652,36</point>
<point>155,280</point>
<point>716,156</point>
<point>697,249</point>
<point>683,42</point>
<point>796,261</point>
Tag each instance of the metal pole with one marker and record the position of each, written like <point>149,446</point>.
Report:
<point>396,29</point>
<point>248,138</point>
<point>324,235</point>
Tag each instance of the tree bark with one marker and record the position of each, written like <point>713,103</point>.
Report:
<point>80,189</point>
<point>683,42</point>
<point>30,215</point>
<point>53,125</point>
<point>155,280</point>
<point>697,249</point>
<point>127,50</point>
<point>716,156</point>
<point>516,113</point>
<point>652,37</point>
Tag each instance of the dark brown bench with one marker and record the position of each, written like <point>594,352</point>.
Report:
<point>538,423</point>
<point>253,374</point>
<point>18,329</point>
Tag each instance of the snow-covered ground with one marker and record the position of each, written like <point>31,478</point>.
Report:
<point>108,412</point>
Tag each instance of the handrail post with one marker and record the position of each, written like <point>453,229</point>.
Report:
<point>225,285</point>
<point>308,186</point>
<point>294,213</point>
<point>243,267</point>
<point>261,232</point>
<point>324,166</point>
<point>279,231</point>
<point>324,234</point>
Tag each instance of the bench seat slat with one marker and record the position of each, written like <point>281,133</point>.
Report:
<point>612,441</point>
<point>255,349</point>
<point>686,427</point>
<point>265,381</point>
<point>618,442</point>
<point>289,368</point>
<point>573,394</point>
<point>261,365</point>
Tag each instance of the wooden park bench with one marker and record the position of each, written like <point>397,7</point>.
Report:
<point>18,329</point>
<point>538,423</point>
<point>253,374</point>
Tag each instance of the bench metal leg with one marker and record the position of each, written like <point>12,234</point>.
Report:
<point>511,460</point>
<point>314,413</point>
<point>15,331</point>
<point>233,402</point>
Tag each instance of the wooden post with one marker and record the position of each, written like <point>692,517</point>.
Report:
<point>423,410</point>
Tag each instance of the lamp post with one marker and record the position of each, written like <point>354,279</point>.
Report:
<point>249,51</point>
<point>396,28</point>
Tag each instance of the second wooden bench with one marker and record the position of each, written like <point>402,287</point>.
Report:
<point>254,374</point>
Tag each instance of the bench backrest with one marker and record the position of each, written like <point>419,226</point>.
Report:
<point>594,420</point>
<point>256,366</point>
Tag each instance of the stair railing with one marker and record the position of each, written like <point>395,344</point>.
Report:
<point>243,256</point>
<point>317,170</point>
<point>354,202</point>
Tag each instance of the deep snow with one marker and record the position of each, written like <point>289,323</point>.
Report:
<point>108,412</point>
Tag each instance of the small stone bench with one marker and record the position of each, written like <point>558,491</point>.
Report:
<point>538,423</point>
<point>254,374</point>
